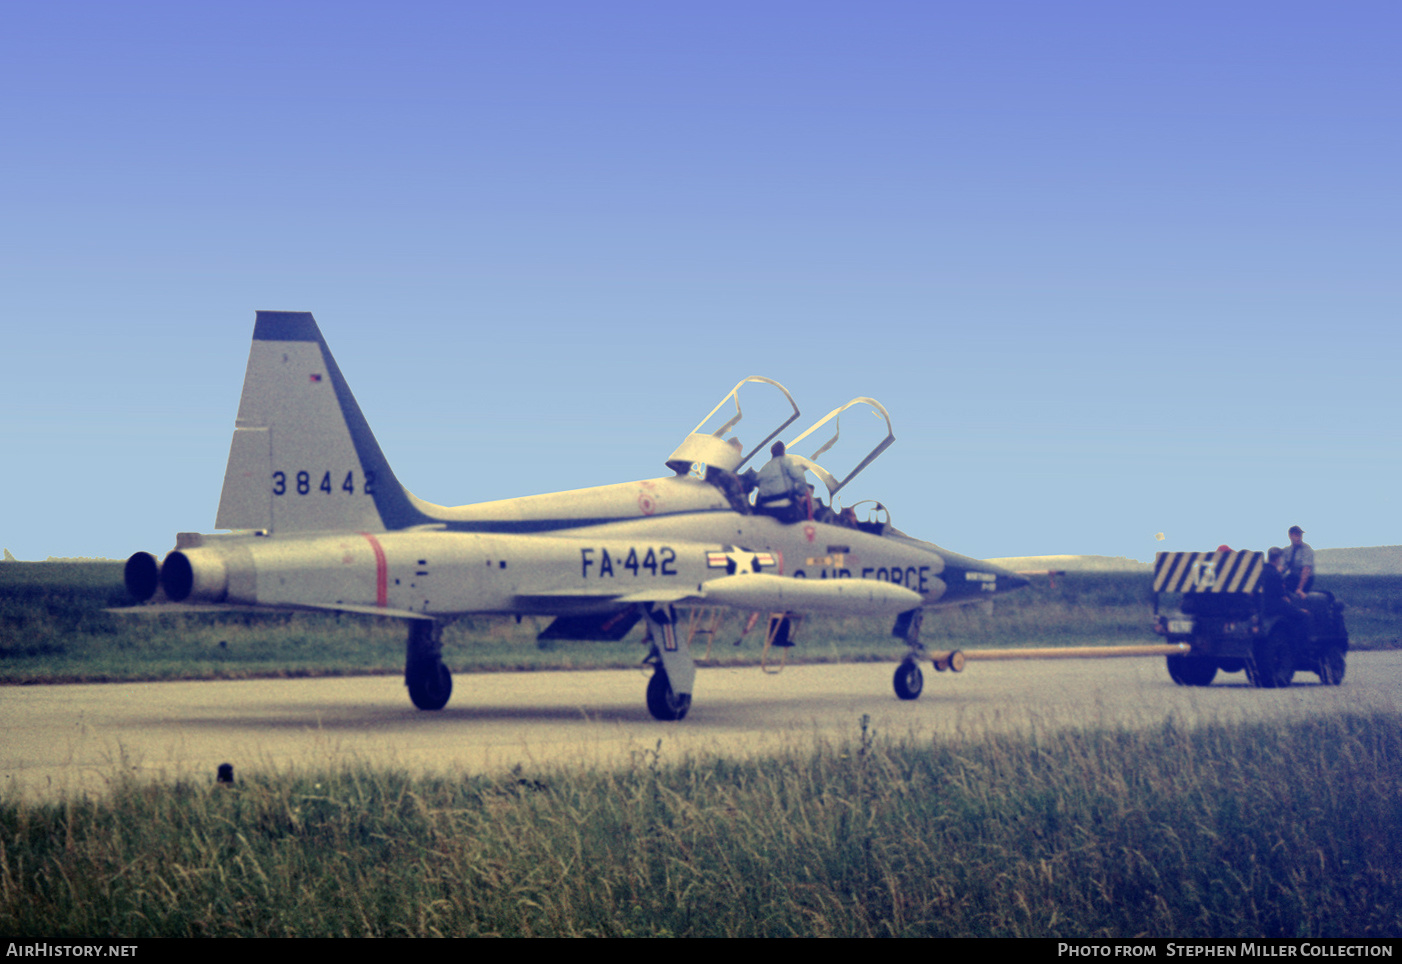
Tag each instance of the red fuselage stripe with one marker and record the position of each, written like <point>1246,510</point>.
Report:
<point>381,572</point>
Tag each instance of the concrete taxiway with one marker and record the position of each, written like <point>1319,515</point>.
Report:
<point>82,738</point>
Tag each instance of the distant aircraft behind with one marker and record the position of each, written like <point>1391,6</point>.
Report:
<point>320,522</point>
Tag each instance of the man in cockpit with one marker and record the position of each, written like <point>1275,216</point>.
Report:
<point>783,487</point>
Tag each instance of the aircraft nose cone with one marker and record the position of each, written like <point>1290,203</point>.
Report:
<point>1007,579</point>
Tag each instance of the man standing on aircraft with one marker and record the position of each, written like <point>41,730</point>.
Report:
<point>1299,563</point>
<point>783,487</point>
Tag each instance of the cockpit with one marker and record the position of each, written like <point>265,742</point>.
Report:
<point>708,454</point>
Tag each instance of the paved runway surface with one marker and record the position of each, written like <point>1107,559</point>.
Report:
<point>69,738</point>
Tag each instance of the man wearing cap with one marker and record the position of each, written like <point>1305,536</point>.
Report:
<point>1298,561</point>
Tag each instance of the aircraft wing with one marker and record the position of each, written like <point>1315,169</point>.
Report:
<point>185,609</point>
<point>747,591</point>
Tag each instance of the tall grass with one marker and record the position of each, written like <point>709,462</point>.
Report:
<point>1226,830</point>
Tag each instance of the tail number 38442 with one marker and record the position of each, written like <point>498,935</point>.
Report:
<point>304,483</point>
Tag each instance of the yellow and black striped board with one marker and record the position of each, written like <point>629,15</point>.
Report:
<point>1208,571</point>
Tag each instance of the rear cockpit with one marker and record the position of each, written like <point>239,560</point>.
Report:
<point>706,454</point>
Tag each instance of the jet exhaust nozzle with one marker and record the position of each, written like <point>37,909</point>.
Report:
<point>196,574</point>
<point>142,576</point>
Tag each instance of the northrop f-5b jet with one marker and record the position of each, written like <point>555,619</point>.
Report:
<point>319,521</point>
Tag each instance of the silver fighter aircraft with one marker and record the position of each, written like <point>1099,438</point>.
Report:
<point>319,522</point>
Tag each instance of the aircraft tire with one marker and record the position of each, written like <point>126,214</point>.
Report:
<point>662,703</point>
<point>1192,670</point>
<point>1332,666</point>
<point>909,681</point>
<point>431,689</point>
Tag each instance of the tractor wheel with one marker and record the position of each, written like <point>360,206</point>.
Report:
<point>1332,666</point>
<point>1192,670</point>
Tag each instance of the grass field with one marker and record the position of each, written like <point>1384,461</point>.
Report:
<point>1228,830</point>
<point>53,628</point>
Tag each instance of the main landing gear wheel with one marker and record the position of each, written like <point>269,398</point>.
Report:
<point>431,687</point>
<point>909,681</point>
<point>1192,670</point>
<point>662,703</point>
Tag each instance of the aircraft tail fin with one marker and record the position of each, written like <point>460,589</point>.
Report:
<point>303,457</point>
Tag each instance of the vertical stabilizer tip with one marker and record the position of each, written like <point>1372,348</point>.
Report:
<point>286,326</point>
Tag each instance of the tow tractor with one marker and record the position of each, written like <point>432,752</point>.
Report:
<point>1225,619</point>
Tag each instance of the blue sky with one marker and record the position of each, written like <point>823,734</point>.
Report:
<point>1115,269</point>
